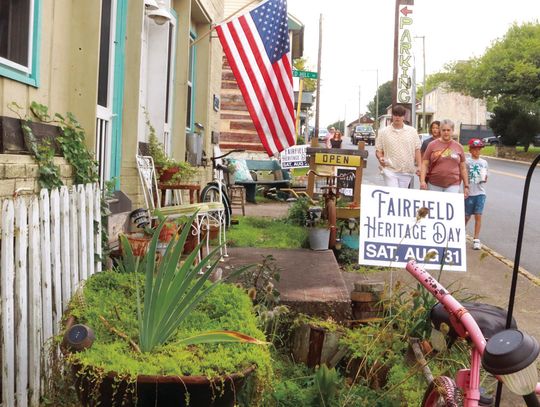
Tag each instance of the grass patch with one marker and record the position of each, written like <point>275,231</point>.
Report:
<point>490,151</point>
<point>267,233</point>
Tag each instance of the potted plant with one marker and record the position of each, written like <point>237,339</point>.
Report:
<point>164,334</point>
<point>168,169</point>
<point>319,232</point>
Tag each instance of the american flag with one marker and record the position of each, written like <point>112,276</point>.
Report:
<point>257,47</point>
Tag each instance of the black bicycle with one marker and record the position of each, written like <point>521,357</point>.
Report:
<point>216,190</point>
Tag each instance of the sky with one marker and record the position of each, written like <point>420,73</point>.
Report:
<point>358,41</point>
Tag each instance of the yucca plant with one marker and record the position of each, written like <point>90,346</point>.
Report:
<point>173,290</point>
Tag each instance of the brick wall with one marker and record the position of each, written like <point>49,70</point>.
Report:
<point>236,130</point>
<point>20,172</point>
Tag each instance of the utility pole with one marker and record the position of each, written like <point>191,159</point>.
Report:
<point>315,139</point>
<point>424,123</point>
<point>359,104</point>
<point>318,95</point>
<point>377,102</point>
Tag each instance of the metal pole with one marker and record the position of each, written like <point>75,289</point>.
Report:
<point>413,102</point>
<point>517,257</point>
<point>298,106</point>
<point>359,104</point>
<point>318,101</point>
<point>424,122</point>
<point>315,139</point>
<point>377,102</point>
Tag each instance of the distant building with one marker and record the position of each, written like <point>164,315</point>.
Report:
<point>443,104</point>
<point>461,109</point>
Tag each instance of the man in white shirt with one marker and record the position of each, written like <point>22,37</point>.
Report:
<point>398,151</point>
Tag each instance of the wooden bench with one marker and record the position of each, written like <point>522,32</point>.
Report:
<point>268,173</point>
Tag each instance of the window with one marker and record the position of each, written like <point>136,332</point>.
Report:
<point>190,81</point>
<point>19,29</point>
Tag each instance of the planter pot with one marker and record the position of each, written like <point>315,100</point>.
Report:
<point>166,175</point>
<point>163,391</point>
<point>167,232</point>
<point>139,243</point>
<point>319,238</point>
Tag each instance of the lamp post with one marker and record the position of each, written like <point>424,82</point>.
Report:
<point>424,127</point>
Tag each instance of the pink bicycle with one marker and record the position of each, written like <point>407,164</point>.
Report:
<point>508,354</point>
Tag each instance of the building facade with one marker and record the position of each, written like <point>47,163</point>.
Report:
<point>117,69</point>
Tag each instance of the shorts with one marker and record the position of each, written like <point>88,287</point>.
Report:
<point>474,205</point>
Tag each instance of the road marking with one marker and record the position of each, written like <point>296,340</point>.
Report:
<point>509,174</point>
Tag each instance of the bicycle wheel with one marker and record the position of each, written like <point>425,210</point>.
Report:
<point>442,392</point>
<point>210,193</point>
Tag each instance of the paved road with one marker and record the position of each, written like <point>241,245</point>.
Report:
<point>503,207</point>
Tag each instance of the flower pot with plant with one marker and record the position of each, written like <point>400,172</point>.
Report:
<point>164,334</point>
<point>168,169</point>
<point>319,232</point>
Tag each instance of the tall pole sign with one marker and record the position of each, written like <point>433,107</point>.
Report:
<point>403,57</point>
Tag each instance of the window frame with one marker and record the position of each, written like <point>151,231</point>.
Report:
<point>30,74</point>
<point>190,84</point>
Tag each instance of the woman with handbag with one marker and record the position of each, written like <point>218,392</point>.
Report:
<point>443,164</point>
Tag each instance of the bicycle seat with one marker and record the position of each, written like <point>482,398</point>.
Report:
<point>490,318</point>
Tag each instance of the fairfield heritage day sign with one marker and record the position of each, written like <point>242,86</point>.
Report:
<point>391,234</point>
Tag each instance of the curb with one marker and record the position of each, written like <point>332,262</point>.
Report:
<point>528,275</point>
<point>506,159</point>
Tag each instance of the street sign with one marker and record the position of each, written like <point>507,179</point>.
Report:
<point>344,160</point>
<point>304,74</point>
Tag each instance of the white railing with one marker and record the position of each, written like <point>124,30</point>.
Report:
<point>49,244</point>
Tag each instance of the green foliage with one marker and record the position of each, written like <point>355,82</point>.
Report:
<point>301,64</point>
<point>385,99</point>
<point>514,124</point>
<point>298,210</point>
<point>339,125</point>
<point>163,162</point>
<point>260,284</point>
<point>112,295</point>
<point>268,233</point>
<point>171,291</point>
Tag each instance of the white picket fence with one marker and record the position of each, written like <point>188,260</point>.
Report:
<point>50,243</point>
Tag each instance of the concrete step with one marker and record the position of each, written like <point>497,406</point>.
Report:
<point>311,281</point>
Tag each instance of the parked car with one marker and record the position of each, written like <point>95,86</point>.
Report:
<point>492,140</point>
<point>363,132</point>
<point>536,140</point>
<point>323,134</point>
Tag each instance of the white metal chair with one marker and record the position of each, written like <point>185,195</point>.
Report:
<point>208,212</point>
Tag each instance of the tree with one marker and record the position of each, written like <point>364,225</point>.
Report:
<point>507,77</point>
<point>385,100</point>
<point>514,124</point>
<point>339,125</point>
<point>309,84</point>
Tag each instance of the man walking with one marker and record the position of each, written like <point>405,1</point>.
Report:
<point>398,151</point>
